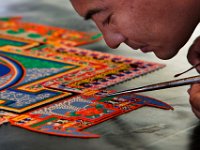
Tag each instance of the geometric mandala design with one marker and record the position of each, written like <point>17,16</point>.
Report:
<point>53,87</point>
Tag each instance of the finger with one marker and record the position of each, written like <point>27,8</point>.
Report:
<point>189,90</point>
<point>194,53</point>
<point>194,93</point>
<point>194,89</point>
<point>196,112</point>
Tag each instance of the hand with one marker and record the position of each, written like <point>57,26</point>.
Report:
<point>194,53</point>
<point>194,93</point>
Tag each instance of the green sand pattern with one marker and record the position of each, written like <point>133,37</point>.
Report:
<point>29,62</point>
<point>4,42</point>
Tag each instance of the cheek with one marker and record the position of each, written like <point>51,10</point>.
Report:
<point>136,29</point>
<point>143,23</point>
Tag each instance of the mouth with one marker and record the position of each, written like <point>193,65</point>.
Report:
<point>146,49</point>
<point>135,46</point>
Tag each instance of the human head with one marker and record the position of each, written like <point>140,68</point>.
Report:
<point>161,26</point>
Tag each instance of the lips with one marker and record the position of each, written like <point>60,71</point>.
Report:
<point>135,46</point>
<point>143,48</point>
<point>146,49</point>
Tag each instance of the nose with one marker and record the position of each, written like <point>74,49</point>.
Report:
<point>113,39</point>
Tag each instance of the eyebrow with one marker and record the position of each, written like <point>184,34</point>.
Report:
<point>92,12</point>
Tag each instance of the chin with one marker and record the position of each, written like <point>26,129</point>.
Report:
<point>166,56</point>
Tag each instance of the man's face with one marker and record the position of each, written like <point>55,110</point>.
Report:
<point>159,26</point>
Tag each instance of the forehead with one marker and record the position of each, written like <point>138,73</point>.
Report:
<point>82,6</point>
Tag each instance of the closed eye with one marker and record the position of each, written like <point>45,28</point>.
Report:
<point>107,20</point>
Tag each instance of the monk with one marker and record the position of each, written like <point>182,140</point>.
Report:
<point>159,26</point>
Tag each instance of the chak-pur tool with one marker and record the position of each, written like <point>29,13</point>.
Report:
<point>163,85</point>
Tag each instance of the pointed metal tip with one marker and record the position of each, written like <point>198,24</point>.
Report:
<point>177,75</point>
<point>118,93</point>
<point>114,94</point>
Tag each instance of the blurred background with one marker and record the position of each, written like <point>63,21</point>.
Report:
<point>146,128</point>
<point>52,12</point>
